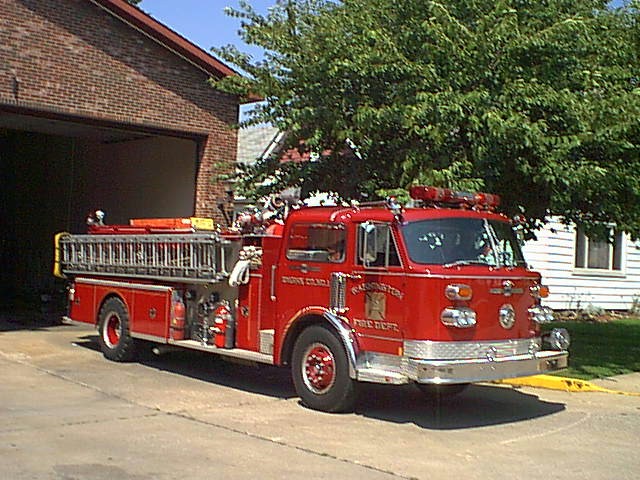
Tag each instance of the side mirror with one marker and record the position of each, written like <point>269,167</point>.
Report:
<point>369,244</point>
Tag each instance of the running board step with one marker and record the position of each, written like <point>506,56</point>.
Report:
<point>375,375</point>
<point>228,352</point>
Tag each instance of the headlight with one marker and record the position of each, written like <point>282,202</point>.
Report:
<point>540,314</point>
<point>459,317</point>
<point>558,339</point>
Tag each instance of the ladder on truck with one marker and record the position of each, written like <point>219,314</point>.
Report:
<point>189,258</point>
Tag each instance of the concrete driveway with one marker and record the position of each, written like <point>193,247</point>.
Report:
<point>67,413</point>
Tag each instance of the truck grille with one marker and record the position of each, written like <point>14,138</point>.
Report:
<point>338,292</point>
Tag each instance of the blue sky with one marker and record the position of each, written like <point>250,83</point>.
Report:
<point>203,21</point>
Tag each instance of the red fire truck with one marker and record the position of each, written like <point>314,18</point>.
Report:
<point>438,294</point>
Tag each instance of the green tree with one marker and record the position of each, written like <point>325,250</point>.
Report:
<point>538,101</point>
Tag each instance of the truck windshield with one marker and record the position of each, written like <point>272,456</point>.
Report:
<point>463,241</point>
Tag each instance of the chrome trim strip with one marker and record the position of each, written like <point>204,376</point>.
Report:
<point>381,274</point>
<point>108,283</point>
<point>377,337</point>
<point>498,276</point>
<point>199,281</point>
<point>272,287</point>
<point>508,293</point>
<point>349,342</point>
<point>150,338</point>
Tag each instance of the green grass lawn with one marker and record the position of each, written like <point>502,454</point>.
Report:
<point>602,349</point>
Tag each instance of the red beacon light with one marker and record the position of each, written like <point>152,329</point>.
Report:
<point>488,201</point>
<point>431,194</point>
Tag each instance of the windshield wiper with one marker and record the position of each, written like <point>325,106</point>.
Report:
<point>458,263</point>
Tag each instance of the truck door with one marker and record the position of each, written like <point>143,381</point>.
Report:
<point>376,290</point>
<point>312,251</point>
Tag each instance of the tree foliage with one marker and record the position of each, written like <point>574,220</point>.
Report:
<point>537,100</point>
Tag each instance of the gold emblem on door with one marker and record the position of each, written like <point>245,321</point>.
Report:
<point>375,306</point>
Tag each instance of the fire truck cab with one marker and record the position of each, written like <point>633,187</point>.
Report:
<point>438,294</point>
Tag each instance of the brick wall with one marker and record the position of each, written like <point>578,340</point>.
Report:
<point>72,57</point>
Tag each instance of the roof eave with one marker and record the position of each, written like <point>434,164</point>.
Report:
<point>166,37</point>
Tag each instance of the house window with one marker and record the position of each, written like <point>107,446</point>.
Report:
<point>598,254</point>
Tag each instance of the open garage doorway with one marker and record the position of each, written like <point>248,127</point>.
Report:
<point>53,173</point>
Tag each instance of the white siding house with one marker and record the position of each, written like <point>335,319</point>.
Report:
<point>582,273</point>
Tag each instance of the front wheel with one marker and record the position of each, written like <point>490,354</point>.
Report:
<point>320,371</point>
<point>114,336</point>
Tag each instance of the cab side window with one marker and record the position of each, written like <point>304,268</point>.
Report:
<point>376,246</point>
<point>316,242</point>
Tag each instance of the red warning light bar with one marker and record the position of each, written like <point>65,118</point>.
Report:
<point>445,195</point>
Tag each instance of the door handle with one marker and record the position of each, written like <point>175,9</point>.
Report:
<point>304,268</point>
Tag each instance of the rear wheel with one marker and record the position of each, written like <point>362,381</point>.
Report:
<point>439,391</point>
<point>320,371</point>
<point>114,337</point>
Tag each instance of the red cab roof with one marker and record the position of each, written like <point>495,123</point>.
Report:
<point>382,214</point>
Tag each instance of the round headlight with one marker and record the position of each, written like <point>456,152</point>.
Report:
<point>507,316</point>
<point>559,339</point>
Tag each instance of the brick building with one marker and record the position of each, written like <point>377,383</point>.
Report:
<point>101,107</point>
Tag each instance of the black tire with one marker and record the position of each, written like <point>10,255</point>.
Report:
<point>441,391</point>
<point>320,371</point>
<point>114,336</point>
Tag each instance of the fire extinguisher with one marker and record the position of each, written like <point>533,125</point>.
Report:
<point>221,322</point>
<point>178,311</point>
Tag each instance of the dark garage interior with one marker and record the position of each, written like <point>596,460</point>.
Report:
<point>53,173</point>
<point>101,107</point>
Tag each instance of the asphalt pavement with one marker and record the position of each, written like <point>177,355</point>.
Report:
<point>67,413</point>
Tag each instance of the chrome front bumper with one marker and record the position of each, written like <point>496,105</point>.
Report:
<point>460,362</point>
<point>480,370</point>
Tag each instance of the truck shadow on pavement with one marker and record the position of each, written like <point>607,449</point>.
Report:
<point>261,379</point>
<point>478,406</point>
